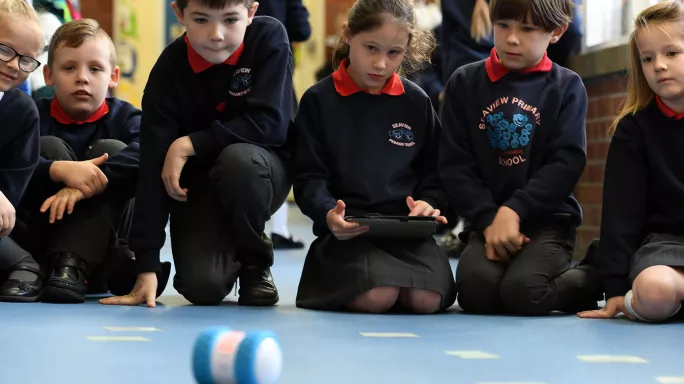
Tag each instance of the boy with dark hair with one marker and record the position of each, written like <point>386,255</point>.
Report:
<point>509,160</point>
<point>78,205</point>
<point>216,111</point>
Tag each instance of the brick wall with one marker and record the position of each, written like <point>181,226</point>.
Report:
<point>101,11</point>
<point>606,95</point>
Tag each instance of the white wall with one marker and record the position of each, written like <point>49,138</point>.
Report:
<point>610,21</point>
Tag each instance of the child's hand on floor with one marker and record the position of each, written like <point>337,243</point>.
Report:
<point>86,176</point>
<point>422,208</point>
<point>8,216</point>
<point>176,157</point>
<point>65,199</point>
<point>144,291</point>
<point>613,306</point>
<point>340,228</point>
<point>503,238</point>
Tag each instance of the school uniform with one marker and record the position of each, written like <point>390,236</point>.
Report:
<point>430,79</point>
<point>292,13</point>
<point>458,47</point>
<point>73,250</point>
<point>236,114</point>
<point>18,160</point>
<point>519,143</point>
<point>570,43</point>
<point>295,17</point>
<point>642,221</point>
<point>370,151</point>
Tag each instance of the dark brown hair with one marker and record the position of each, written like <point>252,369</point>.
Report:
<point>548,14</point>
<point>215,4</point>
<point>367,15</point>
<point>77,32</point>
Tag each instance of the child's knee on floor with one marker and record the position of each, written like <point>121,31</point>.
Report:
<point>376,300</point>
<point>521,295</point>
<point>420,300</point>
<point>203,290</point>
<point>478,280</point>
<point>479,293</point>
<point>657,292</point>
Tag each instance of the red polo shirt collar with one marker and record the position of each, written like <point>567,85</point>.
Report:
<point>200,64</point>
<point>667,111</point>
<point>345,86</point>
<point>61,116</point>
<point>496,69</point>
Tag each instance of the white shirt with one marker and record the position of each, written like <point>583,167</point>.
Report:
<point>1,95</point>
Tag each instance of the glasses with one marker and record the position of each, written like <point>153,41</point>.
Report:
<point>26,63</point>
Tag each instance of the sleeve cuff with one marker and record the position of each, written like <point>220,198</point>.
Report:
<point>486,220</point>
<point>147,262</point>
<point>520,207</point>
<point>616,286</point>
<point>323,212</point>
<point>433,203</point>
<point>42,171</point>
<point>203,143</point>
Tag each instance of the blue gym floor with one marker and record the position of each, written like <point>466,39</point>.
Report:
<point>74,344</point>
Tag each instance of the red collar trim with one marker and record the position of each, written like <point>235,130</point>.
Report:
<point>58,113</point>
<point>496,69</point>
<point>345,86</point>
<point>667,111</point>
<point>200,64</point>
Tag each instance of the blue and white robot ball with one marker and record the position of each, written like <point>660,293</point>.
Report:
<point>225,356</point>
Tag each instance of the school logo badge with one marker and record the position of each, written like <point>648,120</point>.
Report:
<point>504,134</point>
<point>241,83</point>
<point>401,135</point>
<point>510,132</point>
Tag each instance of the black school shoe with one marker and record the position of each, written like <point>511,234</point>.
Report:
<point>591,261</point>
<point>19,291</point>
<point>68,279</point>
<point>282,242</point>
<point>590,302</point>
<point>257,287</point>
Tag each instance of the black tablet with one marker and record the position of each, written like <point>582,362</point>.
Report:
<point>396,226</point>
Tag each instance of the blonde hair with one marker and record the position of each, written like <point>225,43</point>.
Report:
<point>77,32</point>
<point>18,8</point>
<point>481,24</point>
<point>639,93</point>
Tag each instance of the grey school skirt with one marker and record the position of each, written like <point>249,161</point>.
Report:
<point>657,249</point>
<point>336,272</point>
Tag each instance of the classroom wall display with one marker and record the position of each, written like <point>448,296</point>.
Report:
<point>139,36</point>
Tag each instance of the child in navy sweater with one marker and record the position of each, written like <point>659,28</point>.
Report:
<point>367,143</point>
<point>513,149</point>
<point>466,34</point>
<point>78,205</point>
<point>21,41</point>
<point>216,112</point>
<point>641,249</point>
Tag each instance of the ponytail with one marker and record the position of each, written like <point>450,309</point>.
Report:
<point>481,25</point>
